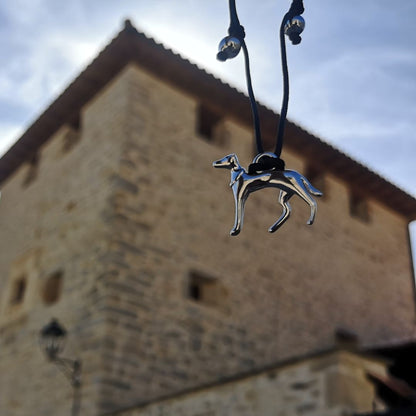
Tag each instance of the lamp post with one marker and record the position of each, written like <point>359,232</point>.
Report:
<point>52,340</point>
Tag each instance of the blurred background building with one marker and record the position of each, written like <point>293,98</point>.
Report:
<point>114,222</point>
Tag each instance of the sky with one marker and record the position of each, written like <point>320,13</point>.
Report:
<point>352,78</point>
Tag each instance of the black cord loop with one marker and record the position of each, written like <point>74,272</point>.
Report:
<point>254,109</point>
<point>236,30</point>
<point>296,9</point>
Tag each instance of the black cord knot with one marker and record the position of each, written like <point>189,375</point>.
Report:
<point>295,38</point>
<point>266,163</point>
<point>296,9</point>
<point>237,31</point>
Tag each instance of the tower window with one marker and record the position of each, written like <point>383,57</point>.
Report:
<point>32,171</point>
<point>201,288</point>
<point>359,208</point>
<point>18,292</point>
<point>70,139</point>
<point>207,120</point>
<point>206,289</point>
<point>195,290</point>
<point>52,288</point>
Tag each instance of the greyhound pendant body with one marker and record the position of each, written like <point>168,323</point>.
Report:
<point>289,182</point>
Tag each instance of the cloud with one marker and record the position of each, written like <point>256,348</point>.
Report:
<point>40,58</point>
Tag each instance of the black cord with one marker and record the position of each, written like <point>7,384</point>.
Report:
<point>295,9</point>
<point>254,109</point>
<point>234,22</point>
<point>285,100</point>
<point>237,31</point>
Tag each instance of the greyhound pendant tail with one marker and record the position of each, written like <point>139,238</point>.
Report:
<point>289,182</point>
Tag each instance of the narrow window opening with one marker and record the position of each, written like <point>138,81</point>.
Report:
<point>201,288</point>
<point>19,289</point>
<point>70,139</point>
<point>52,288</point>
<point>194,291</point>
<point>205,289</point>
<point>207,120</point>
<point>359,208</point>
<point>75,121</point>
<point>32,171</point>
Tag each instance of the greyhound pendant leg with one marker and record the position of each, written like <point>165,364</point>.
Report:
<point>239,212</point>
<point>240,198</point>
<point>287,209</point>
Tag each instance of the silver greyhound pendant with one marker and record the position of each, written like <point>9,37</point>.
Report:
<point>289,182</point>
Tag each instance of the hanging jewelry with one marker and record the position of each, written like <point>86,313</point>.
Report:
<point>267,169</point>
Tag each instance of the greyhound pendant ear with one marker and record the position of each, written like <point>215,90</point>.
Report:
<point>262,174</point>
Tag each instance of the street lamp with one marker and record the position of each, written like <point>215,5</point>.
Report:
<point>52,339</point>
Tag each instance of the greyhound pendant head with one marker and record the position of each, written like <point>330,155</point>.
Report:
<point>227,162</point>
<point>289,182</point>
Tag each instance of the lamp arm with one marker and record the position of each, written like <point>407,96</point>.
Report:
<point>70,368</point>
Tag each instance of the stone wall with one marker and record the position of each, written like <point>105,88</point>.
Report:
<point>332,384</point>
